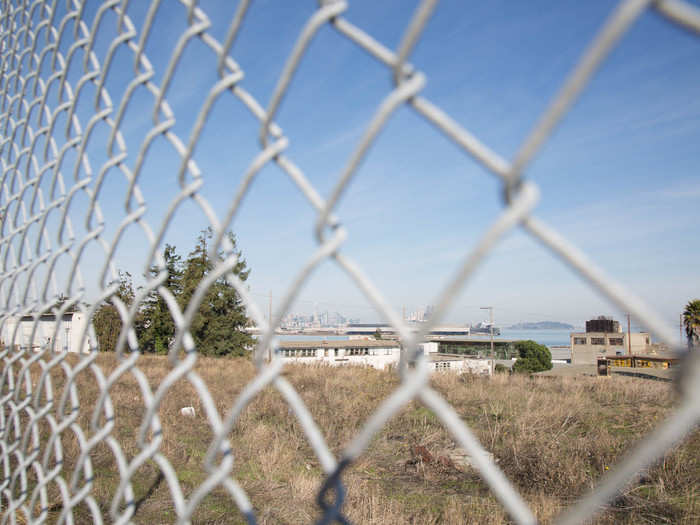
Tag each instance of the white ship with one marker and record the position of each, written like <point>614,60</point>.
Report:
<point>485,328</point>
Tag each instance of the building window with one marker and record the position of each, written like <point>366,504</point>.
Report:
<point>579,340</point>
<point>303,352</point>
<point>615,341</point>
<point>647,339</point>
<point>442,365</point>
<point>597,340</point>
<point>388,351</point>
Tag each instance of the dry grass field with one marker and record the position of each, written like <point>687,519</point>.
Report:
<point>553,437</point>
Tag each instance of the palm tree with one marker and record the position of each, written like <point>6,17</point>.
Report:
<point>691,320</point>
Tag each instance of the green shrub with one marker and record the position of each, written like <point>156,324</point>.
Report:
<point>532,357</point>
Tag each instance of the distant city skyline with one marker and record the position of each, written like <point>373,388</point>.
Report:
<point>332,318</point>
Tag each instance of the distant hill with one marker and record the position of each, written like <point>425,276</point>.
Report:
<point>542,325</point>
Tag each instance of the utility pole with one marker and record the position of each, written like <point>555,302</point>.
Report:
<point>490,309</point>
<point>629,336</point>
<point>680,330</point>
<point>269,310</point>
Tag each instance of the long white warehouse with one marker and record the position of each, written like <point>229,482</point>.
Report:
<point>375,353</point>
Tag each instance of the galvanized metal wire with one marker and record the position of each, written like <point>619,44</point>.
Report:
<point>46,167</point>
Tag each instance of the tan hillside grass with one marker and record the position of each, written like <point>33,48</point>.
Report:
<point>553,437</point>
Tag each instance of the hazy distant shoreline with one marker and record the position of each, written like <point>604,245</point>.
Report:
<point>542,325</point>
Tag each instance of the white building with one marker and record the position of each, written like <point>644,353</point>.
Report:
<point>368,352</point>
<point>460,363</point>
<point>64,335</point>
<point>377,353</point>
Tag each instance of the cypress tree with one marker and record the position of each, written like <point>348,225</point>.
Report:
<point>156,329</point>
<point>218,328</point>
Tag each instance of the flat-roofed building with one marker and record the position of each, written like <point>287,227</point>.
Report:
<point>604,338</point>
<point>377,353</point>
<point>387,330</point>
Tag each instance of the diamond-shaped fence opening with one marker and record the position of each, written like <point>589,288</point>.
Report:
<point>66,140</point>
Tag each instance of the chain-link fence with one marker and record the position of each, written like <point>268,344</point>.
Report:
<point>45,169</point>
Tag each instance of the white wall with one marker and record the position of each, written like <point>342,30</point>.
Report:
<point>429,348</point>
<point>64,337</point>
<point>379,358</point>
<point>473,366</point>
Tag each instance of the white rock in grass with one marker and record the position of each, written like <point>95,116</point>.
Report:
<point>187,411</point>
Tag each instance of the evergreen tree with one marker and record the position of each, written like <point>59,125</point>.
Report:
<point>156,329</point>
<point>107,321</point>
<point>533,357</point>
<point>218,328</point>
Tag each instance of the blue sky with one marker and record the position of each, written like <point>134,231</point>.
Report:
<point>619,177</point>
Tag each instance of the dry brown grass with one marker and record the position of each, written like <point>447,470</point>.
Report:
<point>553,438</point>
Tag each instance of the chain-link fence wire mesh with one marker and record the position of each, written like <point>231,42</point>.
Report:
<point>55,96</point>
